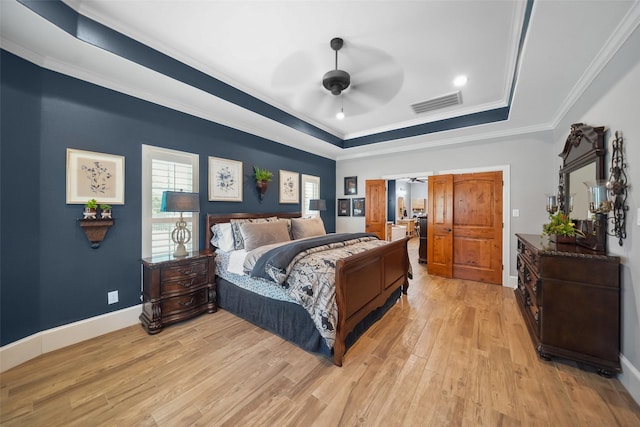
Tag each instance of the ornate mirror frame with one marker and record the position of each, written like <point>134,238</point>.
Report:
<point>584,145</point>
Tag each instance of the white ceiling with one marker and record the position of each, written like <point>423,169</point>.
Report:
<point>397,52</point>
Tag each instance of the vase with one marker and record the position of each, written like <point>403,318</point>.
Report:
<point>262,188</point>
<point>556,238</point>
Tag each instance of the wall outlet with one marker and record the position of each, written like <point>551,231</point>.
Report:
<point>112,297</point>
<point>516,212</point>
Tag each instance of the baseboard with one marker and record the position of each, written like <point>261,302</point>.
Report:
<point>52,339</point>
<point>630,378</point>
<point>513,282</point>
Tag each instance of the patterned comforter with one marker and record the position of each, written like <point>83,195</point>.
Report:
<point>309,275</point>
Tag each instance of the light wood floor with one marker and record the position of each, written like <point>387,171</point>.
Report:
<point>452,352</point>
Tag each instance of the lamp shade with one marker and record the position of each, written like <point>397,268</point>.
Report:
<point>317,205</point>
<point>177,201</point>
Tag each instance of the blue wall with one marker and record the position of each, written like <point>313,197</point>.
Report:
<point>50,275</point>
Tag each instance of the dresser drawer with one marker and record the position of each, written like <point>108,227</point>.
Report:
<point>186,271</point>
<point>529,278</point>
<point>184,303</point>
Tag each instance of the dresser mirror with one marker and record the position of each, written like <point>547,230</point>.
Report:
<point>583,161</point>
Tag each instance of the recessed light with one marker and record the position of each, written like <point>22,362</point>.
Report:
<point>460,81</point>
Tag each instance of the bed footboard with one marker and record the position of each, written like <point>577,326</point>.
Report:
<point>364,282</point>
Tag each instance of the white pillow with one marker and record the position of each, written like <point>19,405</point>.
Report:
<point>222,236</point>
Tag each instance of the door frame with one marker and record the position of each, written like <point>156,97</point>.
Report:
<point>506,209</point>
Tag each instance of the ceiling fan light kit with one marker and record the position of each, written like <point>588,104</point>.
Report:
<point>335,81</point>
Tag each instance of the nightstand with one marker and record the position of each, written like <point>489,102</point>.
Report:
<point>175,289</point>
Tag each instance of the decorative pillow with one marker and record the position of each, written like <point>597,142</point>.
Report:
<point>265,233</point>
<point>238,242</point>
<point>307,227</point>
<point>222,237</point>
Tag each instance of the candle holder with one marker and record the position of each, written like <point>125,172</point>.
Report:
<point>552,203</point>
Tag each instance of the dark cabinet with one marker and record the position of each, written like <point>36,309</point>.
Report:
<point>570,299</point>
<point>175,289</point>
<point>422,249</point>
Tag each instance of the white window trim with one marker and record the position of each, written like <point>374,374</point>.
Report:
<point>150,152</point>
<point>305,202</point>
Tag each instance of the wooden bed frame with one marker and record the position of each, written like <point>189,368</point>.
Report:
<point>364,282</point>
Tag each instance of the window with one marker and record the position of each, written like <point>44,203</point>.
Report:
<point>164,169</point>
<point>310,190</point>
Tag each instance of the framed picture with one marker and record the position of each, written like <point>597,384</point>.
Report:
<point>358,207</point>
<point>344,207</point>
<point>351,185</point>
<point>289,187</point>
<point>225,180</point>
<point>94,176</point>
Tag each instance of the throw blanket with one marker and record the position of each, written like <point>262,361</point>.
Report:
<point>306,269</point>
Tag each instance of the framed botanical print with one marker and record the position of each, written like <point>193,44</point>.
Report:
<point>289,187</point>
<point>344,207</point>
<point>350,185</point>
<point>225,180</point>
<point>358,207</point>
<point>93,175</point>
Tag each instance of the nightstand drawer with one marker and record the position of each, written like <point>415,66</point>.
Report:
<point>186,271</point>
<point>180,286</point>
<point>185,302</point>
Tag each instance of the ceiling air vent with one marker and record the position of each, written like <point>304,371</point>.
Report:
<point>437,103</point>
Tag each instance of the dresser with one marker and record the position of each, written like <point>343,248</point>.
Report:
<point>569,297</point>
<point>175,289</point>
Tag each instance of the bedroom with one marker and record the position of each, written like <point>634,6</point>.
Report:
<point>44,112</point>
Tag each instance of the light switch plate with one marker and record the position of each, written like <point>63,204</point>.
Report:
<point>516,212</point>
<point>638,217</point>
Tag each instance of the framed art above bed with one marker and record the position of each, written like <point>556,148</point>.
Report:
<point>225,180</point>
<point>289,187</point>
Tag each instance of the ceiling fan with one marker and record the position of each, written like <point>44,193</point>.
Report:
<point>335,81</point>
<point>411,180</point>
<point>373,79</point>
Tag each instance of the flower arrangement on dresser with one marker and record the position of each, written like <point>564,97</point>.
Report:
<point>561,229</point>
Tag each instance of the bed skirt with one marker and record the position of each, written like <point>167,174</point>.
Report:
<point>299,329</point>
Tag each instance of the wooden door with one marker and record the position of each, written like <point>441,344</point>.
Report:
<point>375,208</point>
<point>477,227</point>
<point>440,219</point>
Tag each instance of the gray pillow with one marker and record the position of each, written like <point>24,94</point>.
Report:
<point>238,242</point>
<point>307,227</point>
<point>256,234</point>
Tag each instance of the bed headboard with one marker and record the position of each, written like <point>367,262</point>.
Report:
<point>221,218</point>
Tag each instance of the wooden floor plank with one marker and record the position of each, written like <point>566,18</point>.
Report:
<point>451,352</point>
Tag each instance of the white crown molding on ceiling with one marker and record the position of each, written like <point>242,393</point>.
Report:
<point>617,38</point>
<point>269,129</point>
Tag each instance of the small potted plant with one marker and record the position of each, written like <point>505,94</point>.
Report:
<point>90,209</point>
<point>560,228</point>
<point>262,177</point>
<point>105,211</point>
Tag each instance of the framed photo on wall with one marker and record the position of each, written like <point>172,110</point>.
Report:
<point>344,207</point>
<point>225,180</point>
<point>358,207</point>
<point>94,176</point>
<point>289,187</point>
<point>350,185</point>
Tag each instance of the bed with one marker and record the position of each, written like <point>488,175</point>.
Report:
<point>367,284</point>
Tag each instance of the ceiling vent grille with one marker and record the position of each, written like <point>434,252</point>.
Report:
<point>438,103</point>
